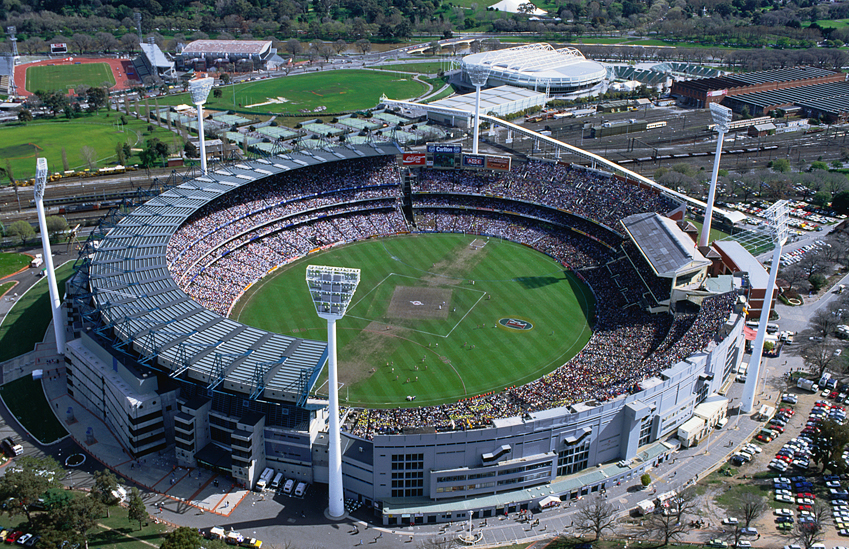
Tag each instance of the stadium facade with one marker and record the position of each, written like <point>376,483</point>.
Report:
<point>244,55</point>
<point>537,67</point>
<point>163,370</point>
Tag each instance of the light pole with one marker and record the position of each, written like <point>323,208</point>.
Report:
<point>331,289</point>
<point>722,118</point>
<point>199,88</point>
<point>55,300</point>
<point>776,221</point>
<point>478,75</point>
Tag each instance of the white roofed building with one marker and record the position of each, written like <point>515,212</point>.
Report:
<point>500,101</point>
<point>539,67</point>
<point>204,54</point>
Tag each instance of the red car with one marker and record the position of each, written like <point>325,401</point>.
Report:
<point>786,459</point>
<point>763,438</point>
<point>805,508</point>
<point>786,411</point>
<point>13,536</point>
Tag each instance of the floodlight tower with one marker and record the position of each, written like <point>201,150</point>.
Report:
<point>478,74</point>
<point>331,289</point>
<point>776,219</point>
<point>722,118</point>
<point>11,31</point>
<point>199,88</point>
<point>55,301</point>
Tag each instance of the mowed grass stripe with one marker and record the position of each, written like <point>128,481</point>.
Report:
<point>64,77</point>
<point>523,284</point>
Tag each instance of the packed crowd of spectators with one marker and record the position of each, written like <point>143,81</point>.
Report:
<point>233,242</point>
<point>590,194</point>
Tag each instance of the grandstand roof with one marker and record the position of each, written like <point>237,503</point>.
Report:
<point>743,261</point>
<point>539,62</point>
<point>222,47</point>
<point>668,249</point>
<point>491,99</point>
<point>155,56</point>
<point>759,77</point>
<point>131,285</point>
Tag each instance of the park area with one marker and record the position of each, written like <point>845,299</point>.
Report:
<point>64,77</point>
<point>334,90</point>
<point>438,317</point>
<point>21,144</point>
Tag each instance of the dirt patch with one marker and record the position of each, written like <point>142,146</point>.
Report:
<point>364,353</point>
<point>462,261</point>
<point>411,302</point>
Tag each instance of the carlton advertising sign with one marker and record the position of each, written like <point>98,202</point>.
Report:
<point>444,149</point>
<point>414,159</point>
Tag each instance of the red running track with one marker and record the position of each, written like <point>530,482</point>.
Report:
<point>122,70</point>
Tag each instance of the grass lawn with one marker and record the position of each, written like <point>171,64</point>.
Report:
<point>394,320</point>
<point>829,23</point>
<point>715,234</point>
<point>123,531</point>
<point>731,494</point>
<point>421,68</point>
<point>63,77</point>
<point>25,399</point>
<point>11,263</point>
<point>338,90</point>
<point>5,287</point>
<point>21,144</point>
<point>26,323</point>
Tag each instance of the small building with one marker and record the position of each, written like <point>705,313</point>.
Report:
<point>761,130</point>
<point>706,417</point>
<point>734,258</point>
<point>622,105</point>
<point>691,431</point>
<point>500,101</point>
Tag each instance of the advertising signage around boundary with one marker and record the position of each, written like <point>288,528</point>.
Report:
<point>717,93</point>
<point>474,161</point>
<point>413,159</point>
<point>444,149</point>
<point>498,163</point>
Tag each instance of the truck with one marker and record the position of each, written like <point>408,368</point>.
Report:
<point>645,507</point>
<point>264,479</point>
<point>805,384</point>
<point>36,261</point>
<point>11,447</point>
<point>826,377</point>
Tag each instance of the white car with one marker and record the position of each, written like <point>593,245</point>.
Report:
<point>753,448</point>
<point>730,520</point>
<point>833,484</point>
<point>781,498</point>
<point>783,513</point>
<point>744,543</point>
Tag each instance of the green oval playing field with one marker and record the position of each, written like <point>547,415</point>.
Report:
<point>440,317</point>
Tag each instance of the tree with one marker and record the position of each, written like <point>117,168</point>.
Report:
<point>339,46</point>
<point>363,45</point>
<point>97,98</point>
<point>671,524</point>
<point>56,225</point>
<point>182,538</point>
<point>828,444</point>
<point>65,165</point>
<point>89,156</point>
<point>21,229</point>
<point>135,507</point>
<point>119,154</point>
<point>105,484</point>
<point>781,165</point>
<point>25,115</point>
<point>645,480</point>
<point>807,534</point>
<point>217,93</point>
<point>225,78</point>
<point>818,356</point>
<point>817,281</point>
<point>294,47</point>
<point>154,151</point>
<point>21,487</point>
<point>80,516</point>
<point>595,516</point>
<point>821,199</point>
<point>750,507</point>
<point>840,202</point>
<point>191,150</point>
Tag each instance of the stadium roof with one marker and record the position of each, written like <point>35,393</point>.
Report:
<point>744,261</point>
<point>223,47</point>
<point>759,77</point>
<point>668,249</point>
<point>137,297</point>
<point>538,61</point>
<point>155,56</point>
<point>831,97</point>
<point>491,98</point>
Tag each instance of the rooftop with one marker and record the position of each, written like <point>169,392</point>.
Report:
<point>667,248</point>
<point>490,98</point>
<point>247,47</point>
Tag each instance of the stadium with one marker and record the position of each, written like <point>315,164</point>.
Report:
<point>538,67</point>
<point>154,352</point>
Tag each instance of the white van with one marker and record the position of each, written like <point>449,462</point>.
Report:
<point>275,484</point>
<point>287,488</point>
<point>299,491</point>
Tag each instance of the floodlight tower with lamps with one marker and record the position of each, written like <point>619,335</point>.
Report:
<point>199,88</point>
<point>55,301</point>
<point>331,289</point>
<point>776,219</point>
<point>722,118</point>
<point>478,74</point>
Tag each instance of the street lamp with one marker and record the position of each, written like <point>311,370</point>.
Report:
<point>776,225</point>
<point>199,88</point>
<point>331,289</point>
<point>722,118</point>
<point>55,301</point>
